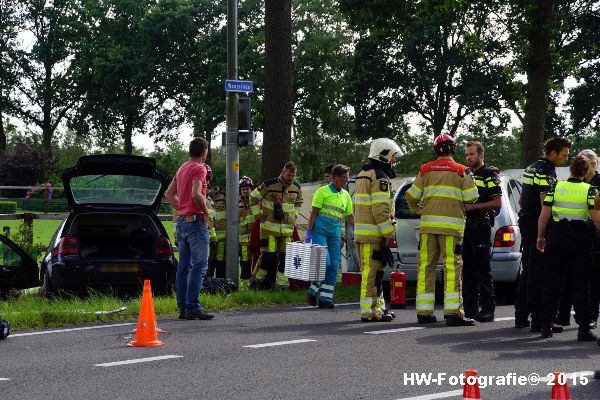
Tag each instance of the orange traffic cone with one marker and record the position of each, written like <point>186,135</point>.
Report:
<point>146,332</point>
<point>471,387</point>
<point>560,389</point>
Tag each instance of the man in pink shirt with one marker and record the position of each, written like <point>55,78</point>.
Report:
<point>187,194</point>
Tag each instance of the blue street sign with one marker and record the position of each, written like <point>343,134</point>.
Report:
<point>238,86</point>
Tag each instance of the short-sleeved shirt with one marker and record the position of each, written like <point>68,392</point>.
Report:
<point>488,186</point>
<point>571,200</point>
<point>329,197</point>
<point>539,177</point>
<point>186,174</point>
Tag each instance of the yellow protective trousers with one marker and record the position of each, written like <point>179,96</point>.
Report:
<point>432,248</point>
<point>372,303</point>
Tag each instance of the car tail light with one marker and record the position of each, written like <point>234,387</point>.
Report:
<point>505,237</point>
<point>162,246</point>
<point>67,245</point>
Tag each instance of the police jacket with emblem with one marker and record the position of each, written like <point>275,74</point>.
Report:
<point>539,177</point>
<point>440,192</point>
<point>280,205</point>
<point>373,211</point>
<point>571,200</point>
<point>488,186</point>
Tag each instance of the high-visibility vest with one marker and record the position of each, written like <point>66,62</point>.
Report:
<point>571,200</point>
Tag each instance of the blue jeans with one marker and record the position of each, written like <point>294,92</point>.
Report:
<point>192,242</point>
<point>324,289</point>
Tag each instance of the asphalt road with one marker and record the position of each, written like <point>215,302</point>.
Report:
<point>332,355</point>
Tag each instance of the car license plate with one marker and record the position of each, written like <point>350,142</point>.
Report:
<point>119,267</point>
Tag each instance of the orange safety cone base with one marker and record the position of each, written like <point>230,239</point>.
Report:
<point>147,331</point>
<point>153,343</point>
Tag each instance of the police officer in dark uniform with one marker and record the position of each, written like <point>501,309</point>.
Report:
<point>564,307</point>
<point>538,179</point>
<point>568,248</point>
<point>478,284</point>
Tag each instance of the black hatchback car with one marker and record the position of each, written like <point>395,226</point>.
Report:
<point>112,236</point>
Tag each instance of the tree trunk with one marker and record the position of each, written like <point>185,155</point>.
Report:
<point>127,134</point>
<point>539,68</point>
<point>2,134</point>
<point>47,108</point>
<point>278,87</point>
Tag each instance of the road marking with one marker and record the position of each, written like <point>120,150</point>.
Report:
<point>136,361</point>
<point>72,329</point>
<point>441,395</point>
<point>4,379</point>
<point>257,346</point>
<point>504,319</point>
<point>410,328</point>
<point>336,304</point>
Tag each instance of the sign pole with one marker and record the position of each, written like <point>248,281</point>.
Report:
<point>232,149</point>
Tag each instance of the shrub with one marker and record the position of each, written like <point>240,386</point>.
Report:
<point>8,207</point>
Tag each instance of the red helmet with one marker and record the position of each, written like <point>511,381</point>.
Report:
<point>444,142</point>
<point>209,172</point>
<point>246,181</point>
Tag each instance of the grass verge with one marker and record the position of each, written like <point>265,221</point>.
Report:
<point>35,313</point>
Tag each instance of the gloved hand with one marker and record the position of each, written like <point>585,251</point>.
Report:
<point>308,237</point>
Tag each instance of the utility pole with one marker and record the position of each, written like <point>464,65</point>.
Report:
<point>233,151</point>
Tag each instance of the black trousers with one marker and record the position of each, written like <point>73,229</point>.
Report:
<point>568,249</point>
<point>531,281</point>
<point>478,284</point>
<point>566,300</point>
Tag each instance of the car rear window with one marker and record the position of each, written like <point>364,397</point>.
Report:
<point>402,211</point>
<point>114,189</point>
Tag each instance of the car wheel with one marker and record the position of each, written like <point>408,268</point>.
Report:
<point>509,291</point>
<point>47,284</point>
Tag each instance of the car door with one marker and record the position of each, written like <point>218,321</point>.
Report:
<point>17,269</point>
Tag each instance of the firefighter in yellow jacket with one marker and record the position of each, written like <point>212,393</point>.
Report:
<point>281,201</point>
<point>245,227</point>
<point>439,194</point>
<point>218,262</point>
<point>373,227</point>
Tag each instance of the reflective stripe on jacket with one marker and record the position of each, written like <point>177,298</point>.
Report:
<point>440,191</point>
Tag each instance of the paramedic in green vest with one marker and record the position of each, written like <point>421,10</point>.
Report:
<point>331,204</point>
<point>568,248</point>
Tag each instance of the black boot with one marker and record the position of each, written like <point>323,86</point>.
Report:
<point>426,319</point>
<point>326,304</point>
<point>455,320</point>
<point>521,323</point>
<point>311,300</point>
<point>484,316</point>
<point>546,330</point>
<point>585,335</point>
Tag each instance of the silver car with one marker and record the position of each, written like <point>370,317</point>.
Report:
<point>505,238</point>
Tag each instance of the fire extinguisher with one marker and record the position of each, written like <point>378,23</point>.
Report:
<point>398,289</point>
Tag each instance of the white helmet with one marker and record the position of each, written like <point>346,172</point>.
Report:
<point>383,150</point>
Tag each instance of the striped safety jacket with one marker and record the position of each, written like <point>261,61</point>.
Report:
<point>571,200</point>
<point>274,193</point>
<point>218,199</point>
<point>246,220</point>
<point>439,194</point>
<point>373,212</point>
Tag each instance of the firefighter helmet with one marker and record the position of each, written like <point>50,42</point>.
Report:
<point>246,181</point>
<point>444,143</point>
<point>384,150</point>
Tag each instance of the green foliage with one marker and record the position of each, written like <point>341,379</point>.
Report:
<point>25,163</point>
<point>170,158</point>
<point>23,237</point>
<point>8,207</point>
<point>34,313</point>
